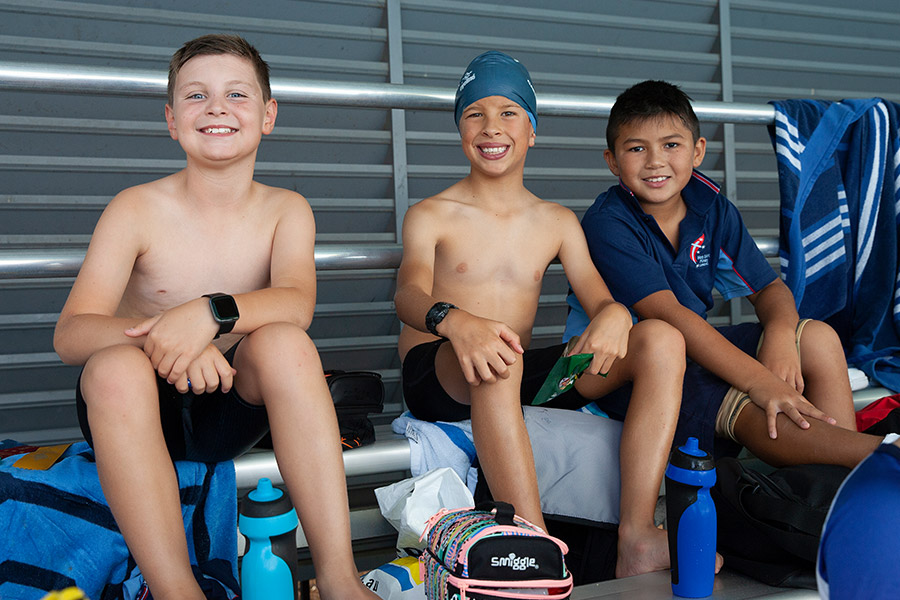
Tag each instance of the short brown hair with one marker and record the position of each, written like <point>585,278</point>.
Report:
<point>650,100</point>
<point>219,43</point>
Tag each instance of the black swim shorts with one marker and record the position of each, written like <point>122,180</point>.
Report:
<point>201,427</point>
<point>427,400</point>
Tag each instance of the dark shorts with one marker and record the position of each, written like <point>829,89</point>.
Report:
<point>427,400</point>
<point>703,393</point>
<point>200,427</point>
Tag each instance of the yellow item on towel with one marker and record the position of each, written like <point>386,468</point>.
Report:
<point>41,460</point>
<point>71,593</point>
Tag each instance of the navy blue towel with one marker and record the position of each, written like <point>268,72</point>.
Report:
<point>58,530</point>
<point>839,176</point>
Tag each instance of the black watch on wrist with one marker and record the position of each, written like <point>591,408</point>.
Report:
<point>224,310</point>
<point>436,314</point>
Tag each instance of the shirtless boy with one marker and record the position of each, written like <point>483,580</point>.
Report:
<point>474,256</point>
<point>151,342</point>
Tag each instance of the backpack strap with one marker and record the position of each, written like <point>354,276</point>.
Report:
<point>505,511</point>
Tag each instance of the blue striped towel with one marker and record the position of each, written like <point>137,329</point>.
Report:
<point>58,530</point>
<point>839,177</point>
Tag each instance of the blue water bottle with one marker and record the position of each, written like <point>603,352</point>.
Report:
<point>268,523</point>
<point>691,520</point>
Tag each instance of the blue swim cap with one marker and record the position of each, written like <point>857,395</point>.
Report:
<point>496,74</point>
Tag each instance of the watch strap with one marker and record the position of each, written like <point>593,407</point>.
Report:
<point>436,314</point>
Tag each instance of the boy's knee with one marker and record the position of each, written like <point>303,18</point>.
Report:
<point>277,340</point>
<point>818,334</point>
<point>817,340</point>
<point>659,340</point>
<point>113,368</point>
<point>116,363</point>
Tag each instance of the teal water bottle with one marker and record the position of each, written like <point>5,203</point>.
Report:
<point>691,520</point>
<point>268,523</point>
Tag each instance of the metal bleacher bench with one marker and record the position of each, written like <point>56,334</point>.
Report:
<point>388,459</point>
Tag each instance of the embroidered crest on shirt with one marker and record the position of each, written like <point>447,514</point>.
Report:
<point>698,256</point>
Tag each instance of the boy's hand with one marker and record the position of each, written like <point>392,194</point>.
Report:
<point>606,337</point>
<point>207,373</point>
<point>774,396</point>
<point>780,356</point>
<point>484,348</point>
<point>176,337</point>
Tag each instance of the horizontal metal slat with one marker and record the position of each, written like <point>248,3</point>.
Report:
<point>207,22</point>
<point>48,202</point>
<point>556,47</point>
<point>810,66</point>
<point>815,10</point>
<point>158,55</point>
<point>89,164</point>
<point>817,39</point>
<point>159,129</point>
<point>544,15</point>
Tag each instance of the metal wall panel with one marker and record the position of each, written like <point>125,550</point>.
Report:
<point>64,155</point>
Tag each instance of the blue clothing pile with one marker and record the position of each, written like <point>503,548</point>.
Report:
<point>859,545</point>
<point>439,444</point>
<point>839,175</point>
<point>58,530</point>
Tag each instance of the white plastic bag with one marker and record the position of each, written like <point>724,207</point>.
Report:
<point>396,580</point>
<point>408,504</point>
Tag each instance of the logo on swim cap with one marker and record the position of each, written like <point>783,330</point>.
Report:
<point>468,78</point>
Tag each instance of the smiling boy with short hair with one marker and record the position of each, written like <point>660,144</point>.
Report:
<point>664,237</point>
<point>175,369</point>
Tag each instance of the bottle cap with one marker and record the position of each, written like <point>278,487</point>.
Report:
<point>265,492</point>
<point>265,500</point>
<point>691,457</point>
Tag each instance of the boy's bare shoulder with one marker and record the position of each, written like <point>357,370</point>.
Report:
<point>282,199</point>
<point>432,211</point>
<point>446,200</point>
<point>555,214</point>
<point>139,204</point>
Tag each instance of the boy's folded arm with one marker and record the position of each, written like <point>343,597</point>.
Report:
<point>776,310</point>
<point>415,277</point>
<point>87,322</point>
<point>78,336</point>
<point>484,348</point>
<point>708,348</point>
<point>291,295</point>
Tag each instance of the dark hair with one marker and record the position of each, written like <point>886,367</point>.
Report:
<point>650,100</point>
<point>219,43</point>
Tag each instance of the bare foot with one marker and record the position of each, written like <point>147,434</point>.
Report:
<point>647,553</point>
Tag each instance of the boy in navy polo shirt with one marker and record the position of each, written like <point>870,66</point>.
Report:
<point>662,239</point>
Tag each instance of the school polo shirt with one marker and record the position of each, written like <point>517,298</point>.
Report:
<point>860,545</point>
<point>636,259</point>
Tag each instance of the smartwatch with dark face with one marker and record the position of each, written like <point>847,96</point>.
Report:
<point>436,314</point>
<point>224,310</point>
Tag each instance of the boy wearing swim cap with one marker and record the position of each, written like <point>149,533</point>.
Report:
<point>474,256</point>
